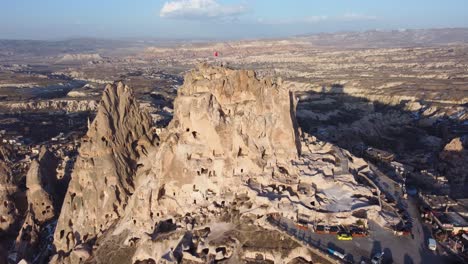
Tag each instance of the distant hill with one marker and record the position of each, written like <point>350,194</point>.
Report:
<point>107,47</point>
<point>389,39</point>
<point>48,48</point>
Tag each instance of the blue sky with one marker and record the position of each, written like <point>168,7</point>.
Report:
<point>220,19</point>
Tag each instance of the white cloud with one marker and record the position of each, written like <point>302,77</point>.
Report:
<point>200,9</point>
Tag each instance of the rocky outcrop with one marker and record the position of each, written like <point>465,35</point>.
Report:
<point>83,57</point>
<point>40,183</point>
<point>455,157</point>
<point>102,178</point>
<point>231,151</point>
<point>28,240</point>
<point>86,91</point>
<point>236,118</point>
<point>455,146</point>
<point>228,126</point>
<point>424,109</point>
<point>231,155</point>
<point>40,212</point>
<point>8,212</point>
<point>62,105</point>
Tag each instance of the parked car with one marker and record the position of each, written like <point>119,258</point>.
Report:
<point>334,229</point>
<point>320,229</point>
<point>432,244</point>
<point>344,236</point>
<point>358,232</point>
<point>336,253</point>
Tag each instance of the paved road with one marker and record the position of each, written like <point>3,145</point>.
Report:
<point>404,250</point>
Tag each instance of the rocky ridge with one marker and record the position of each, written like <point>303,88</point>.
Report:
<point>102,179</point>
<point>36,205</point>
<point>64,105</point>
<point>232,154</point>
<point>8,210</point>
<point>41,183</point>
<point>79,57</point>
<point>428,109</point>
<point>455,157</point>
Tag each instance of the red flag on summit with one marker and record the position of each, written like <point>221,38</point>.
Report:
<point>216,54</point>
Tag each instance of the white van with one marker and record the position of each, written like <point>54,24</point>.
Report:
<point>432,244</point>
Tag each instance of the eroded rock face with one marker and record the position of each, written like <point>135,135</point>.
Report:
<point>79,57</point>
<point>235,110</point>
<point>227,125</point>
<point>40,183</point>
<point>455,146</point>
<point>102,178</point>
<point>231,151</point>
<point>231,155</point>
<point>8,212</point>
<point>28,241</point>
<point>455,155</point>
<point>69,106</point>
<point>37,220</point>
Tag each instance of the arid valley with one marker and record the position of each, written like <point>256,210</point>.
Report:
<point>324,148</point>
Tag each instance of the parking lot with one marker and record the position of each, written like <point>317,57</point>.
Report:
<point>403,249</point>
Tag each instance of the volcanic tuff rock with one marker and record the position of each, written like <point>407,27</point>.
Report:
<point>8,210</point>
<point>231,155</point>
<point>236,118</point>
<point>69,106</point>
<point>79,57</point>
<point>455,155</point>
<point>28,240</point>
<point>42,199</point>
<point>232,150</point>
<point>227,125</point>
<point>102,178</point>
<point>40,183</point>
